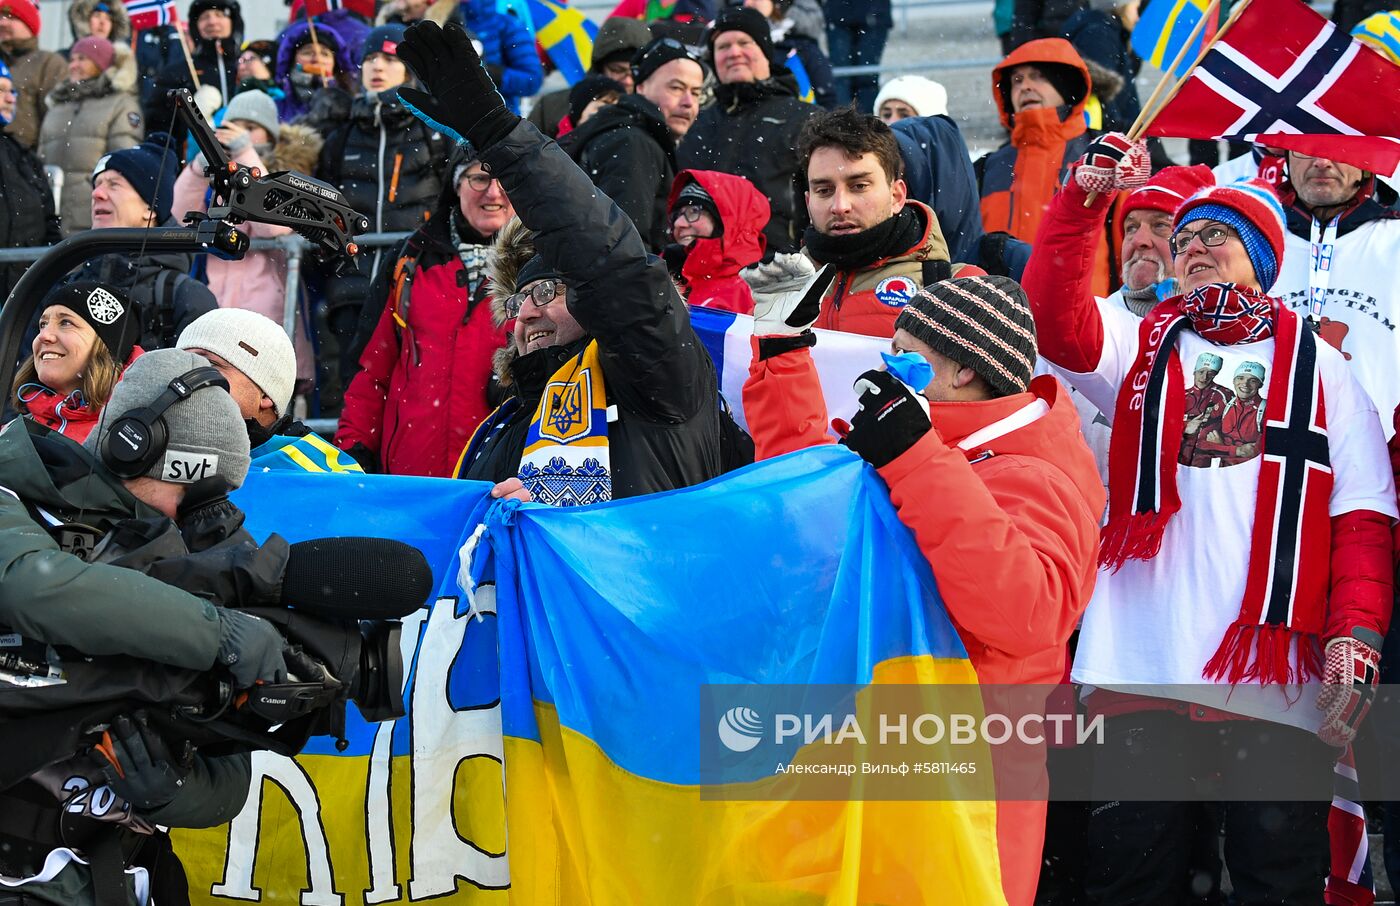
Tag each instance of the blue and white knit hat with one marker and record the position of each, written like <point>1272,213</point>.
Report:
<point>1253,210</point>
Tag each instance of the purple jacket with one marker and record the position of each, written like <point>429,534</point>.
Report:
<point>290,105</point>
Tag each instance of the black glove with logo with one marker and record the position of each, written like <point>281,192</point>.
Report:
<point>139,766</point>
<point>461,101</point>
<point>891,419</point>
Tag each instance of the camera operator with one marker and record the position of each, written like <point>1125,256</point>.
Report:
<point>68,831</point>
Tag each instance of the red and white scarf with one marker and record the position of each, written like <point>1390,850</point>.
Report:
<point>1286,587</point>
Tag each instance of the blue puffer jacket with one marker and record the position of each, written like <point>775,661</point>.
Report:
<point>506,43</point>
<point>938,172</point>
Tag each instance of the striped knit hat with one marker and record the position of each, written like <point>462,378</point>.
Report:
<point>982,323</point>
<point>1253,210</point>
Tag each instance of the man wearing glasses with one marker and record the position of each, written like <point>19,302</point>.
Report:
<point>1200,627</point>
<point>615,396</point>
<point>628,149</point>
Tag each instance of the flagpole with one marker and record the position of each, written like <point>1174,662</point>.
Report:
<point>1149,112</point>
<point>315,44</point>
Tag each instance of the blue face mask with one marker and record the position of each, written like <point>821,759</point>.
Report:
<point>1166,289</point>
<point>911,368</point>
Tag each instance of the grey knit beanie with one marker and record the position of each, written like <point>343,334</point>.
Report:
<point>253,343</point>
<point>206,433</point>
<point>982,323</point>
<point>255,106</point>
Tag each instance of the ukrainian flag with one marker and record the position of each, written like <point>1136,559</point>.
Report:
<point>618,622</point>
<point>558,747</point>
<point>566,34</point>
<point>1163,30</point>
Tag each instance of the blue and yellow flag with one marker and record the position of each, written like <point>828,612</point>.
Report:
<point>805,92</point>
<point>1163,30</point>
<point>566,34</point>
<point>554,746</point>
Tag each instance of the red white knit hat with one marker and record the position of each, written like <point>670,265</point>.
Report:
<point>1252,208</point>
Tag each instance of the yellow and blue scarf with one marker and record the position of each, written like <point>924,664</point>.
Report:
<point>566,460</point>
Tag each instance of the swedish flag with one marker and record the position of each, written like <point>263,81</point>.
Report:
<point>566,35</point>
<point>1163,30</point>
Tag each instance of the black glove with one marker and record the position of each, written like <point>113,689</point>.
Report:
<point>891,418</point>
<point>367,458</point>
<point>139,766</point>
<point>461,101</point>
<point>496,73</point>
<point>250,648</point>
<point>675,255</point>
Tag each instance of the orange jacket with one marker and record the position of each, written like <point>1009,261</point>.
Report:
<point>1009,527</point>
<point>1019,179</point>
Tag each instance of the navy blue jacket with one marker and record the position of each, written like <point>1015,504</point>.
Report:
<point>938,172</point>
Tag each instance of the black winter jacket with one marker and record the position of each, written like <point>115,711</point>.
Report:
<point>27,218</point>
<point>657,373</point>
<point>166,296</point>
<point>751,131</point>
<point>217,65</point>
<point>391,168</point>
<point>630,154</point>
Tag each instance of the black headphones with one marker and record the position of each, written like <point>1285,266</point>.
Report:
<point>137,440</point>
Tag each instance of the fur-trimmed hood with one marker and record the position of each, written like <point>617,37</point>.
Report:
<point>119,78</point>
<point>297,148</point>
<point>1103,82</point>
<point>81,11</point>
<point>514,246</point>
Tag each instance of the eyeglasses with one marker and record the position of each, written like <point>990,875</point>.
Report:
<point>691,213</point>
<point>541,294</point>
<point>479,182</point>
<point>1211,237</point>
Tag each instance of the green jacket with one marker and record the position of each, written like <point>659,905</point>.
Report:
<point>55,597</point>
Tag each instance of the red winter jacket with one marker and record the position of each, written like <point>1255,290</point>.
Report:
<point>64,414</point>
<point>1069,333</point>
<point>711,270</point>
<point>422,386</point>
<point>1010,528</point>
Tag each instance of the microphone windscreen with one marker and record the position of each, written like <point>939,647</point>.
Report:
<point>356,578</point>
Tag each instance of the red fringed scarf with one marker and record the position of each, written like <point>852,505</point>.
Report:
<point>1286,588</point>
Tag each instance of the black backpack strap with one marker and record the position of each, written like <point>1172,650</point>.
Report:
<point>992,254</point>
<point>936,270</point>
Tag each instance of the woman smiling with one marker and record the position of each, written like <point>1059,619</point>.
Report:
<point>86,337</point>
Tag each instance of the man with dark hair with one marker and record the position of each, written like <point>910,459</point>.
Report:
<point>878,247</point>
<point>751,129</point>
<point>629,148</point>
<point>619,39</point>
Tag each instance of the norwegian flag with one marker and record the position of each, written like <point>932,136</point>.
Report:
<point>146,14</point>
<point>1286,77</point>
<point>1349,880</point>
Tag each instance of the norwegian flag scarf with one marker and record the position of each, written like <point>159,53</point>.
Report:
<point>1286,586</point>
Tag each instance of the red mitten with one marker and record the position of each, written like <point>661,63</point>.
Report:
<point>1113,164</point>
<point>1350,673</point>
